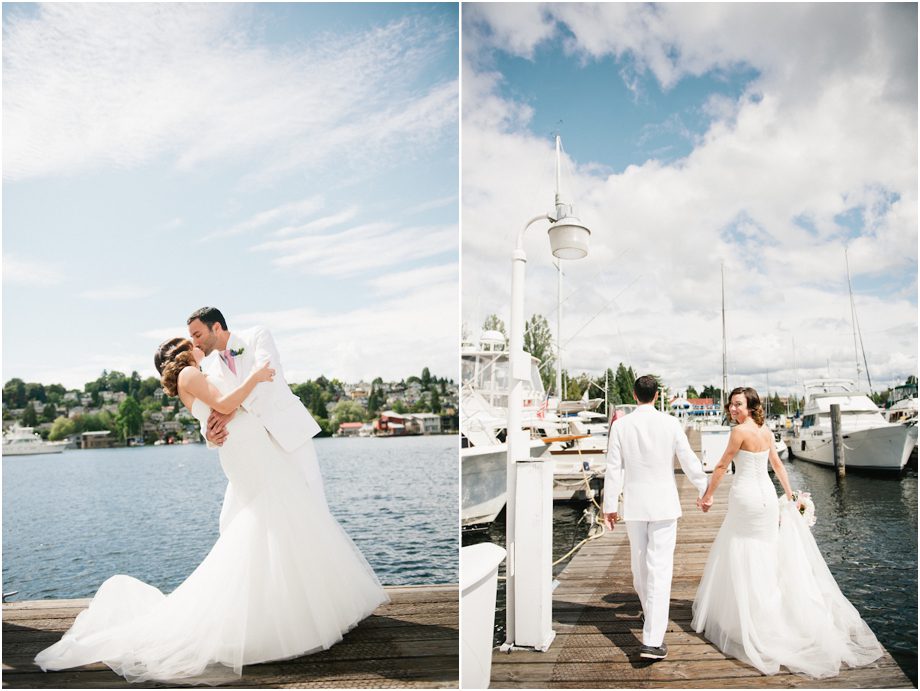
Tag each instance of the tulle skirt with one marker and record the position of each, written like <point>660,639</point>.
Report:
<point>767,597</point>
<point>283,580</point>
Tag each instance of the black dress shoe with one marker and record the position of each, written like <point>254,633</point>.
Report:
<point>652,653</point>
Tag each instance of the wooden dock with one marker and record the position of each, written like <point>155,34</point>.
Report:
<point>598,633</point>
<point>412,642</point>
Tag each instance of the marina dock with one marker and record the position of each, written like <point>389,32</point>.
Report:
<point>598,632</point>
<point>411,642</point>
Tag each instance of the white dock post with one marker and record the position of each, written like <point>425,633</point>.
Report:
<point>533,611</point>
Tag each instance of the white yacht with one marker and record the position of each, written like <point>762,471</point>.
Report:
<point>25,441</point>
<point>869,441</point>
<point>483,422</point>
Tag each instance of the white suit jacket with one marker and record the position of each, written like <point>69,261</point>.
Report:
<point>277,408</point>
<point>640,464</point>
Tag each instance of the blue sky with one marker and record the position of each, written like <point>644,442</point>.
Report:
<point>765,137</point>
<point>295,165</point>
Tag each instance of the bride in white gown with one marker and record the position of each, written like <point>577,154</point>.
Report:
<point>282,580</point>
<point>767,596</point>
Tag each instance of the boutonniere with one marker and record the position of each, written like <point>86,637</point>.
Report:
<point>235,353</point>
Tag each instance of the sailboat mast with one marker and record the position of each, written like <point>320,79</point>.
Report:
<point>852,315</point>
<point>724,351</point>
<point>856,330</point>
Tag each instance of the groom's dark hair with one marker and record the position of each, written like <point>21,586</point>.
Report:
<point>645,388</point>
<point>209,316</point>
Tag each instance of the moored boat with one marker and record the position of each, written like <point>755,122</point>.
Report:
<point>25,441</point>
<point>869,441</point>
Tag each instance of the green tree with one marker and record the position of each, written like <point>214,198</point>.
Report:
<point>399,407</point>
<point>29,416</point>
<point>134,385</point>
<point>62,428</point>
<point>14,394</point>
<point>777,407</point>
<point>573,386</point>
<point>49,413</point>
<point>54,393</point>
<point>346,411</point>
<point>97,422</point>
<point>710,391</point>
<point>623,382</point>
<point>129,420</point>
<point>493,323</point>
<point>435,401</point>
<point>35,392</point>
<point>691,392</point>
<point>426,377</point>
<point>148,387</point>
<point>538,341</point>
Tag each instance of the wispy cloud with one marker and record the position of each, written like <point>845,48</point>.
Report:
<point>390,338</point>
<point>116,86</point>
<point>286,213</point>
<point>363,248</point>
<point>426,276</point>
<point>118,293</point>
<point>439,203</point>
<point>318,224</point>
<point>30,272</point>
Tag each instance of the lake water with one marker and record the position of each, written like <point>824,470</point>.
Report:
<point>866,530</point>
<point>71,520</point>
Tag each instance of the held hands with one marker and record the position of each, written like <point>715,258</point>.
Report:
<point>704,503</point>
<point>610,520</point>
<point>217,427</point>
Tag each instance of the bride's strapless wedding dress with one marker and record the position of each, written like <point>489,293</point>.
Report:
<point>282,580</point>
<point>767,596</point>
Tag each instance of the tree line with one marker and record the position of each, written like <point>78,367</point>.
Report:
<point>144,398</point>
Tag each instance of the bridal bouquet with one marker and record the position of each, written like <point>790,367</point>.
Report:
<point>804,504</point>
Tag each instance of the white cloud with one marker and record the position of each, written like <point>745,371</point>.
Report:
<point>792,146</point>
<point>285,213</point>
<point>323,223</point>
<point>405,281</point>
<point>439,203</point>
<point>369,246</point>
<point>118,293</point>
<point>90,86</point>
<point>392,338</point>
<point>30,272</point>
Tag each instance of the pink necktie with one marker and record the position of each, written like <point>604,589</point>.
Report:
<point>228,358</point>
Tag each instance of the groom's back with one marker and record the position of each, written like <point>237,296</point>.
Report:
<point>646,438</point>
<point>645,443</point>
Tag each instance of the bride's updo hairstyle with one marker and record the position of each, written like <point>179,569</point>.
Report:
<point>754,406</point>
<point>172,357</point>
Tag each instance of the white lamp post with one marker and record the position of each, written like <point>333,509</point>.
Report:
<point>529,572</point>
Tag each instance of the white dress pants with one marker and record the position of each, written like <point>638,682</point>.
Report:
<point>651,544</point>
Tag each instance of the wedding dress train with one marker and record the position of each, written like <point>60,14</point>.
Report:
<point>282,580</point>
<point>767,596</point>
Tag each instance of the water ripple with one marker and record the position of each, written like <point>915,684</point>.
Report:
<point>72,520</point>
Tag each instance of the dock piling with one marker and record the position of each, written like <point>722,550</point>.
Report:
<point>837,436</point>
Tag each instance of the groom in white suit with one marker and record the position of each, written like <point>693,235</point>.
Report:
<point>640,453</point>
<point>230,358</point>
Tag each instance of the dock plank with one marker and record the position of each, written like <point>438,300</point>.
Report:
<point>598,632</point>
<point>411,642</point>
